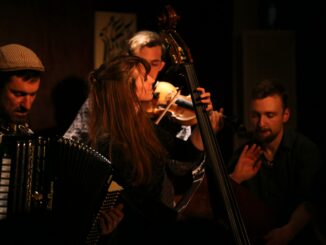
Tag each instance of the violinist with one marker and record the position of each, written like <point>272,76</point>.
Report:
<point>148,45</point>
<point>141,154</point>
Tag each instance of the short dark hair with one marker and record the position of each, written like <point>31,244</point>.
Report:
<point>267,88</point>
<point>5,76</point>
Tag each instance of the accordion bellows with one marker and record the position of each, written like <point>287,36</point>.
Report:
<point>67,178</point>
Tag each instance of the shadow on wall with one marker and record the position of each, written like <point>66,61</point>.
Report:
<point>68,96</point>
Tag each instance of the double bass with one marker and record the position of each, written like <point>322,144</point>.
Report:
<point>230,191</point>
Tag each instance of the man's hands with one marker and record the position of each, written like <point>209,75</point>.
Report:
<point>248,164</point>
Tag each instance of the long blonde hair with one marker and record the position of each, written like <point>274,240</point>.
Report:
<point>116,116</point>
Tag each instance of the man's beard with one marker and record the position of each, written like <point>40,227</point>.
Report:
<point>262,138</point>
<point>18,118</point>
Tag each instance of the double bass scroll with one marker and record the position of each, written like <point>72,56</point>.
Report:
<point>181,57</point>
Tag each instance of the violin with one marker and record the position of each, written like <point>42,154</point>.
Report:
<point>169,101</point>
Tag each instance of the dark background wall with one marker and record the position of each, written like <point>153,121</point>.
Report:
<point>62,33</point>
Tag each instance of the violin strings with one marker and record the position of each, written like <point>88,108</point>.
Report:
<point>167,107</point>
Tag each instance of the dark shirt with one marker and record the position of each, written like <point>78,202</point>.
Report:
<point>148,209</point>
<point>287,181</point>
<point>318,197</point>
<point>183,157</point>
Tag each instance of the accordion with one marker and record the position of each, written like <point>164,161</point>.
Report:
<point>68,179</point>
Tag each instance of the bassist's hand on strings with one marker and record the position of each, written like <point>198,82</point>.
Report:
<point>217,118</point>
<point>205,98</point>
<point>214,116</point>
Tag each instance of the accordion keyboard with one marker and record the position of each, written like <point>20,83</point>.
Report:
<point>65,177</point>
<point>110,201</point>
<point>4,185</point>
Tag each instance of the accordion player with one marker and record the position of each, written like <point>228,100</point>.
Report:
<point>60,184</point>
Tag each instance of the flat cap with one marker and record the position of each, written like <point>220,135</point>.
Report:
<point>15,57</point>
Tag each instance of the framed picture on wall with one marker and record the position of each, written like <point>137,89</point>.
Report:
<point>112,31</point>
